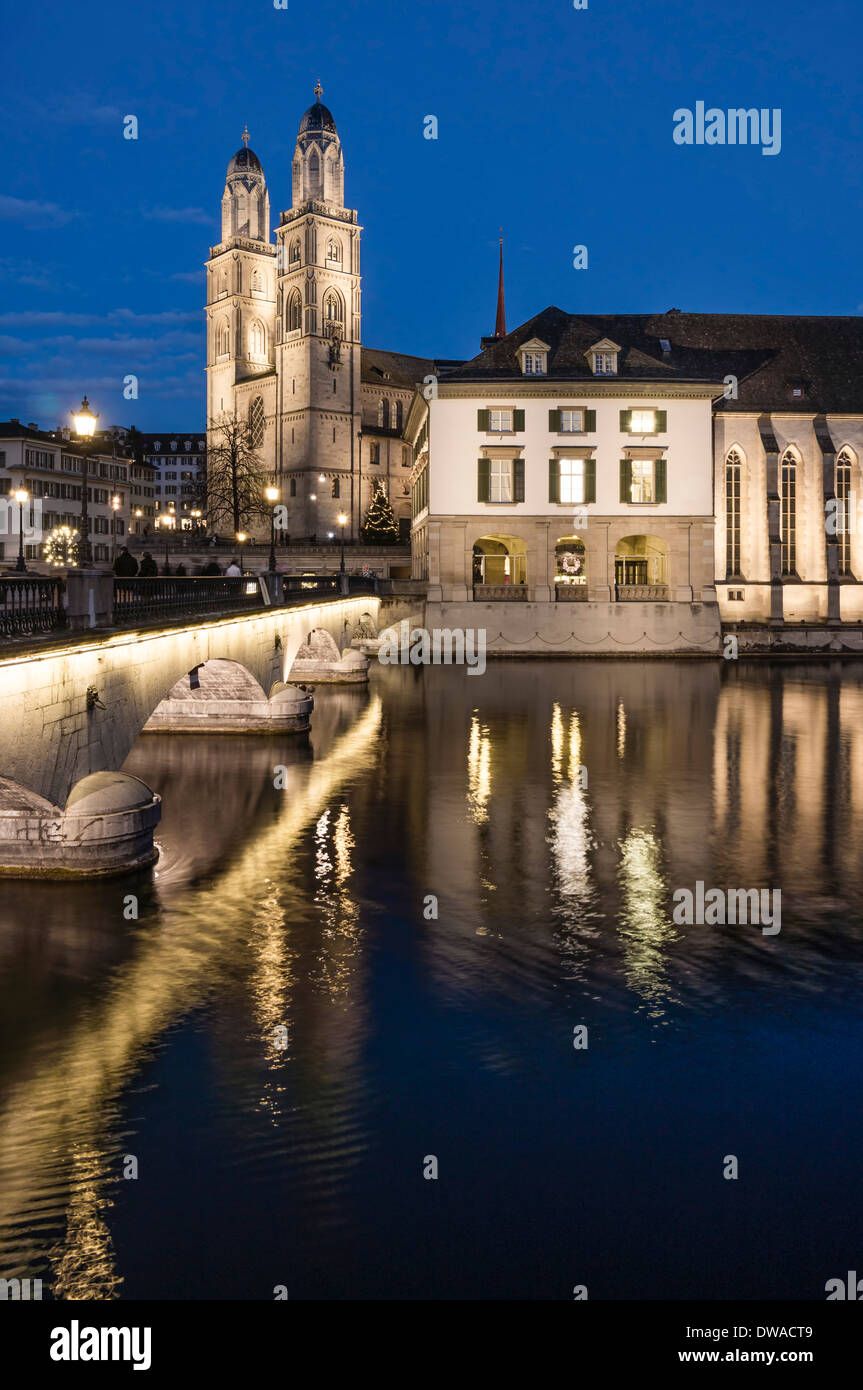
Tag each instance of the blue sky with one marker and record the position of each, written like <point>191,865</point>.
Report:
<point>553,122</point>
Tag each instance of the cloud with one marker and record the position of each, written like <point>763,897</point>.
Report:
<point>30,212</point>
<point>61,318</point>
<point>179,215</point>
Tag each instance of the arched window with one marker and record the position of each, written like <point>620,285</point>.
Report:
<point>333,310</point>
<point>293,487</point>
<point>222,339</point>
<point>257,340</point>
<point>295,312</point>
<point>334,251</point>
<point>335,487</point>
<point>844,520</point>
<point>733,471</point>
<point>256,422</point>
<point>399,415</point>
<point>314,174</point>
<point>788,512</point>
<point>294,253</point>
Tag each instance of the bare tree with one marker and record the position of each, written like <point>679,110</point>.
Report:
<point>236,477</point>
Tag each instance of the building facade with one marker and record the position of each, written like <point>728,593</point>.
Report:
<point>177,464</point>
<point>47,465</point>
<point>668,458</point>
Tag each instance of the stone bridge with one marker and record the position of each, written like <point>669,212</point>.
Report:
<point>71,711</point>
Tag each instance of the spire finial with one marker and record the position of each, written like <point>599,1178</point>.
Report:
<point>500,322</point>
<point>245,136</point>
<point>319,91</point>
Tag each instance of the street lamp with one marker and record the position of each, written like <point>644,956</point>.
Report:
<point>343,521</point>
<point>241,536</point>
<point>272,496</point>
<point>116,504</point>
<point>84,424</point>
<point>21,497</point>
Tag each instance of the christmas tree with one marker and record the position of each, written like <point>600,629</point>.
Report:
<point>380,527</point>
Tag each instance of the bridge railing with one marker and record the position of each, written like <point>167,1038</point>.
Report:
<point>31,603</point>
<point>139,599</point>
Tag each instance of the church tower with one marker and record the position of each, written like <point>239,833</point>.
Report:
<point>241,307</point>
<point>317,336</point>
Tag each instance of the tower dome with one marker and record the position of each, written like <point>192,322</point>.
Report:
<point>245,201</point>
<point>318,167</point>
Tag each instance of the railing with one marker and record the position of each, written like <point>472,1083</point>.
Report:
<point>511,593</point>
<point>570,593</point>
<point>308,585</point>
<point>30,603</point>
<point>139,600</point>
<point>641,593</point>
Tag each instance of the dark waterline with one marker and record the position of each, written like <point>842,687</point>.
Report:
<point>261,1165</point>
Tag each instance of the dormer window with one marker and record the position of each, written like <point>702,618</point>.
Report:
<point>533,357</point>
<point>602,357</point>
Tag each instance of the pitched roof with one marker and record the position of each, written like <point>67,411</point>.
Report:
<point>769,354</point>
<point>381,368</point>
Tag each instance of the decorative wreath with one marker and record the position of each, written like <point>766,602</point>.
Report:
<point>569,563</point>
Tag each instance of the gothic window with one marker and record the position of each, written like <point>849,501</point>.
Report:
<point>295,312</point>
<point>222,338</point>
<point>294,253</point>
<point>257,282</point>
<point>383,414</point>
<point>399,414</point>
<point>256,422</point>
<point>733,471</point>
<point>293,487</point>
<point>788,512</point>
<point>335,487</point>
<point>374,453</point>
<point>843,510</point>
<point>314,174</point>
<point>257,340</point>
<point>334,251</point>
<point>333,310</point>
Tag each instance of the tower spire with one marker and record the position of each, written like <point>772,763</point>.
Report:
<point>245,136</point>
<point>500,321</point>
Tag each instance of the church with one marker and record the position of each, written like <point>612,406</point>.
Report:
<point>327,416</point>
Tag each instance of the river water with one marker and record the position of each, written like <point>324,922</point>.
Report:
<point>334,987</point>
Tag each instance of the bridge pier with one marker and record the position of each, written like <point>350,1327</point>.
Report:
<point>105,828</point>
<point>221,697</point>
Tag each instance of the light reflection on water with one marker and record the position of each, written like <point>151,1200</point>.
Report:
<point>284,1034</point>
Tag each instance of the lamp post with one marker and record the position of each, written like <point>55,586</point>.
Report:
<point>343,521</point>
<point>116,503</point>
<point>272,496</point>
<point>21,496</point>
<point>241,536</point>
<point>84,424</point>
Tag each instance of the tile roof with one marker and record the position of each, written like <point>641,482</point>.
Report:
<point>769,354</point>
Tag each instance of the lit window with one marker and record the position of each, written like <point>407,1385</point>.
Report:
<point>643,422</point>
<point>732,512</point>
<point>572,480</point>
<point>534,364</point>
<point>500,421</point>
<point>257,340</point>
<point>788,513</point>
<point>642,480</point>
<point>500,480</point>
<point>572,421</point>
<point>843,510</point>
<point>604,363</point>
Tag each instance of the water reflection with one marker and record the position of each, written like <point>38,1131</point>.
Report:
<point>283,984</point>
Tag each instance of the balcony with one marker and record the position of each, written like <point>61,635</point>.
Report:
<point>509,593</point>
<point>641,593</point>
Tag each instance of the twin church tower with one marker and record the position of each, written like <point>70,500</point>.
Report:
<point>284,331</point>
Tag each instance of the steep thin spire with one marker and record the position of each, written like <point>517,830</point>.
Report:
<point>500,322</point>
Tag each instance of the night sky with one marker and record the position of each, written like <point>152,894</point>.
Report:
<point>554,122</point>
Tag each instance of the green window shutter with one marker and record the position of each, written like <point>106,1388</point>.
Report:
<point>661,421</point>
<point>483,420</point>
<point>518,480</point>
<point>590,421</point>
<point>553,480</point>
<point>554,421</point>
<point>625,480</point>
<point>590,480</point>
<point>625,421</point>
<point>659,476</point>
<point>518,420</point>
<point>483,480</point>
